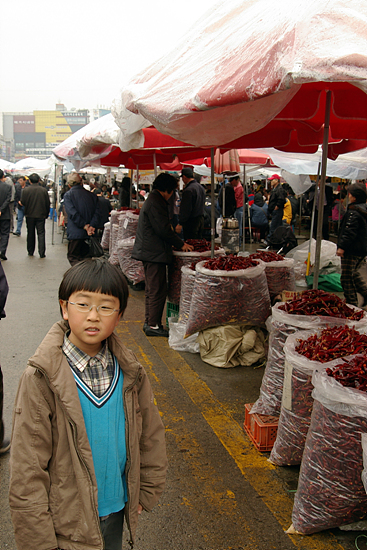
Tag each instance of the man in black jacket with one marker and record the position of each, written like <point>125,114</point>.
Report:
<point>276,203</point>
<point>154,240</point>
<point>191,217</point>
<point>352,245</point>
<point>5,215</point>
<point>36,204</point>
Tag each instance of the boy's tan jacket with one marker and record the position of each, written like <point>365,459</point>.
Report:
<point>53,490</point>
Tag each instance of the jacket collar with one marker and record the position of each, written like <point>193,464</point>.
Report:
<point>51,361</point>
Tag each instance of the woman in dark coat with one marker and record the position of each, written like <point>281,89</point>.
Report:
<point>352,244</point>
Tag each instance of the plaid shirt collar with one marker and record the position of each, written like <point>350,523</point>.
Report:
<point>80,359</point>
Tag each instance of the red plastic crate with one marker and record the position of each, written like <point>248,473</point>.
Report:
<point>261,428</point>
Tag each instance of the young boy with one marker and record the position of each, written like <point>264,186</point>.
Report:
<point>88,444</point>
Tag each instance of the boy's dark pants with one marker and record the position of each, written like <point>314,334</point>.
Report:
<point>112,530</point>
<point>155,292</point>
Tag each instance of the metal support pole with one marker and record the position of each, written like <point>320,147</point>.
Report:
<point>243,209</point>
<point>212,199</point>
<point>313,219</point>
<point>322,190</point>
<point>155,165</point>
<point>131,187</point>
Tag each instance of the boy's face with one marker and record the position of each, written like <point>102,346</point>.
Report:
<point>90,328</point>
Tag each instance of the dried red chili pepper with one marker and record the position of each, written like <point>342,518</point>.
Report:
<point>351,374</point>
<point>230,263</point>
<point>332,343</point>
<point>320,302</point>
<point>267,256</point>
<point>330,490</point>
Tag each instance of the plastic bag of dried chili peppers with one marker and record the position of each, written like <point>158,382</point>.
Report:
<point>132,269</point>
<point>188,276</point>
<point>305,352</point>
<point>330,490</point>
<point>279,271</point>
<point>105,241</point>
<point>281,325</point>
<point>228,297</point>
<point>128,225</point>
<point>181,259</point>
<point>116,218</point>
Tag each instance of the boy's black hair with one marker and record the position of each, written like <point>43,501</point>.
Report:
<point>165,182</point>
<point>95,275</point>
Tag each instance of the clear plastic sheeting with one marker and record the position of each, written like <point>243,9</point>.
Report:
<point>297,402</point>
<point>228,298</point>
<point>280,326</point>
<point>330,490</point>
<point>132,269</point>
<point>328,255</point>
<point>240,66</point>
<point>177,340</point>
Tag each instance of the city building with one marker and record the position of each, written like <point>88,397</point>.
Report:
<point>36,134</point>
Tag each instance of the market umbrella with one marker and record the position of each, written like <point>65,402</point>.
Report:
<point>287,74</point>
<point>100,142</point>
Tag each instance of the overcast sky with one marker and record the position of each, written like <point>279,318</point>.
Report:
<point>81,52</point>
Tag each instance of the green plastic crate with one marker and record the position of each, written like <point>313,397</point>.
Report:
<point>172,310</point>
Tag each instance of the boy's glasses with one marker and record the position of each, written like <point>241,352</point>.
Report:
<point>84,308</point>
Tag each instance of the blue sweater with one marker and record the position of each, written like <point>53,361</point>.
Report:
<point>104,419</point>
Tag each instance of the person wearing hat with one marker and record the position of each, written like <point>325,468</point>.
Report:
<point>276,203</point>
<point>191,217</point>
<point>352,244</point>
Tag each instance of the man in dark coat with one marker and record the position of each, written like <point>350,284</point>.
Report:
<point>82,210</point>
<point>104,210</point>
<point>19,186</point>
<point>191,217</point>
<point>154,240</point>
<point>276,203</point>
<point>36,204</point>
<point>5,215</point>
<point>352,245</point>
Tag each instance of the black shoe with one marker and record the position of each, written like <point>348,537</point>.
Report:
<point>30,254</point>
<point>16,234</point>
<point>149,331</point>
<point>3,257</point>
<point>43,256</point>
<point>145,326</point>
<point>5,447</point>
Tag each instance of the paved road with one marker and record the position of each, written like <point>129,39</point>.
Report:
<point>221,493</point>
